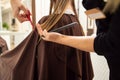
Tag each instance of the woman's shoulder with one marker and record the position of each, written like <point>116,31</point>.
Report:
<point>43,19</point>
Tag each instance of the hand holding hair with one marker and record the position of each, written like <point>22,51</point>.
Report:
<point>48,36</point>
<point>51,36</point>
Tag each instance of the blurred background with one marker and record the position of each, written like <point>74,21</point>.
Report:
<point>14,32</point>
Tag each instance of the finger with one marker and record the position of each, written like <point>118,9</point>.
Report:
<point>16,12</point>
<point>39,29</point>
<point>22,18</point>
<point>44,33</point>
<point>23,8</point>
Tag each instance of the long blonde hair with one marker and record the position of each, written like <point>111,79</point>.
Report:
<point>111,6</point>
<point>57,9</point>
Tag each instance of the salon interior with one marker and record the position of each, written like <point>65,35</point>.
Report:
<point>14,32</point>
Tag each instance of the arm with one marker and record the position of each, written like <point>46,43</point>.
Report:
<point>105,43</point>
<point>17,7</point>
<point>102,44</point>
<point>84,43</point>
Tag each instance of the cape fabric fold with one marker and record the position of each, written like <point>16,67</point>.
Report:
<point>18,64</point>
<point>31,60</point>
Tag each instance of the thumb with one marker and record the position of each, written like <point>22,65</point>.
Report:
<point>40,31</point>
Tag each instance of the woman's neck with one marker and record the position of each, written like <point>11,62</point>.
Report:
<point>69,8</point>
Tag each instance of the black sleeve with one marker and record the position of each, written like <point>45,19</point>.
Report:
<point>109,42</point>
<point>89,4</point>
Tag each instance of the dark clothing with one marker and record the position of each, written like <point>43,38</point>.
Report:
<point>75,64</point>
<point>46,60</point>
<point>3,45</point>
<point>89,4</point>
<point>107,42</point>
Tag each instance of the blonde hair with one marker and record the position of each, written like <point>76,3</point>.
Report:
<point>111,6</point>
<point>57,9</point>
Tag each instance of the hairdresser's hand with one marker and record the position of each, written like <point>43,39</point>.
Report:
<point>48,36</point>
<point>17,8</point>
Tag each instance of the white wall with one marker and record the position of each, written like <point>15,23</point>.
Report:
<point>100,67</point>
<point>42,8</point>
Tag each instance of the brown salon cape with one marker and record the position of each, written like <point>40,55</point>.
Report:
<point>34,60</point>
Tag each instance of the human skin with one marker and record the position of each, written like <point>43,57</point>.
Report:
<point>85,43</point>
<point>19,10</point>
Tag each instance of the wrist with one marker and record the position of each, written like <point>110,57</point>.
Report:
<point>60,38</point>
